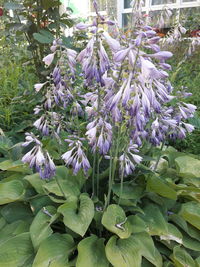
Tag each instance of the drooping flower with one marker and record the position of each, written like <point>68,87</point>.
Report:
<point>48,59</point>
<point>76,157</point>
<point>38,86</point>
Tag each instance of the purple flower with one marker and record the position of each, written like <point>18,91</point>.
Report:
<point>114,44</point>
<point>120,55</point>
<point>48,59</point>
<point>129,159</point>
<point>99,135</point>
<point>76,157</point>
<point>162,55</point>
<point>38,159</point>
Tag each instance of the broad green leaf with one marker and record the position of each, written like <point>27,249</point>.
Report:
<point>191,243</point>
<point>157,185</point>
<point>16,211</point>
<point>137,224</point>
<point>2,222</point>
<point>70,186</point>
<point>13,229</point>
<point>147,248</point>
<point>78,213</point>
<point>130,191</point>
<point>14,166</point>
<point>123,252</point>
<point>155,220</point>
<point>54,251</point>
<point>16,251</point>
<point>38,202</point>
<point>187,228</point>
<point>188,166</point>
<point>44,37</point>
<point>197,261</point>
<point>114,219</point>
<point>11,191</point>
<point>67,174</point>
<point>172,234</point>
<point>41,226</point>
<point>91,252</point>
<point>190,211</point>
<point>181,258</point>
<point>36,182</point>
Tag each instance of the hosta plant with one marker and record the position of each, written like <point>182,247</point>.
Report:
<point>123,199</point>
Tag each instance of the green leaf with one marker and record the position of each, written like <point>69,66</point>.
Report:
<point>64,179</point>
<point>16,211</point>
<point>16,251</point>
<point>123,252</point>
<point>43,37</point>
<point>155,220</point>
<point>155,184</point>
<point>114,219</point>
<point>190,211</point>
<point>46,4</point>
<point>54,251</point>
<point>181,258</point>
<point>147,248</point>
<point>172,234</point>
<point>188,166</point>
<point>40,228</point>
<point>130,191</point>
<point>37,203</point>
<point>78,213</point>
<point>36,182</point>
<point>14,166</point>
<point>191,243</point>
<point>91,252</point>
<point>137,224</point>
<point>11,191</point>
<point>13,229</point>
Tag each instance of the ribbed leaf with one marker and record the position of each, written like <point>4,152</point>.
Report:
<point>155,184</point>
<point>114,219</point>
<point>190,211</point>
<point>14,166</point>
<point>36,182</point>
<point>188,166</point>
<point>13,229</point>
<point>54,251</point>
<point>130,191</point>
<point>91,252</point>
<point>78,213</point>
<point>154,220</point>
<point>181,258</point>
<point>40,228</point>
<point>16,211</point>
<point>11,191</point>
<point>16,251</point>
<point>123,252</point>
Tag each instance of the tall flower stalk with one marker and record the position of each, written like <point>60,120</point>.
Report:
<point>123,91</point>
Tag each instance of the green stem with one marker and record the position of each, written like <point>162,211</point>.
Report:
<point>98,173</point>
<point>159,156</point>
<point>93,174</point>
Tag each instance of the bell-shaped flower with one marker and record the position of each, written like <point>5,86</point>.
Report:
<point>120,55</point>
<point>48,59</point>
<point>82,26</point>
<point>113,44</point>
<point>162,55</point>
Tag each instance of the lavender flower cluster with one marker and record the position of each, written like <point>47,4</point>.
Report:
<point>128,99</point>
